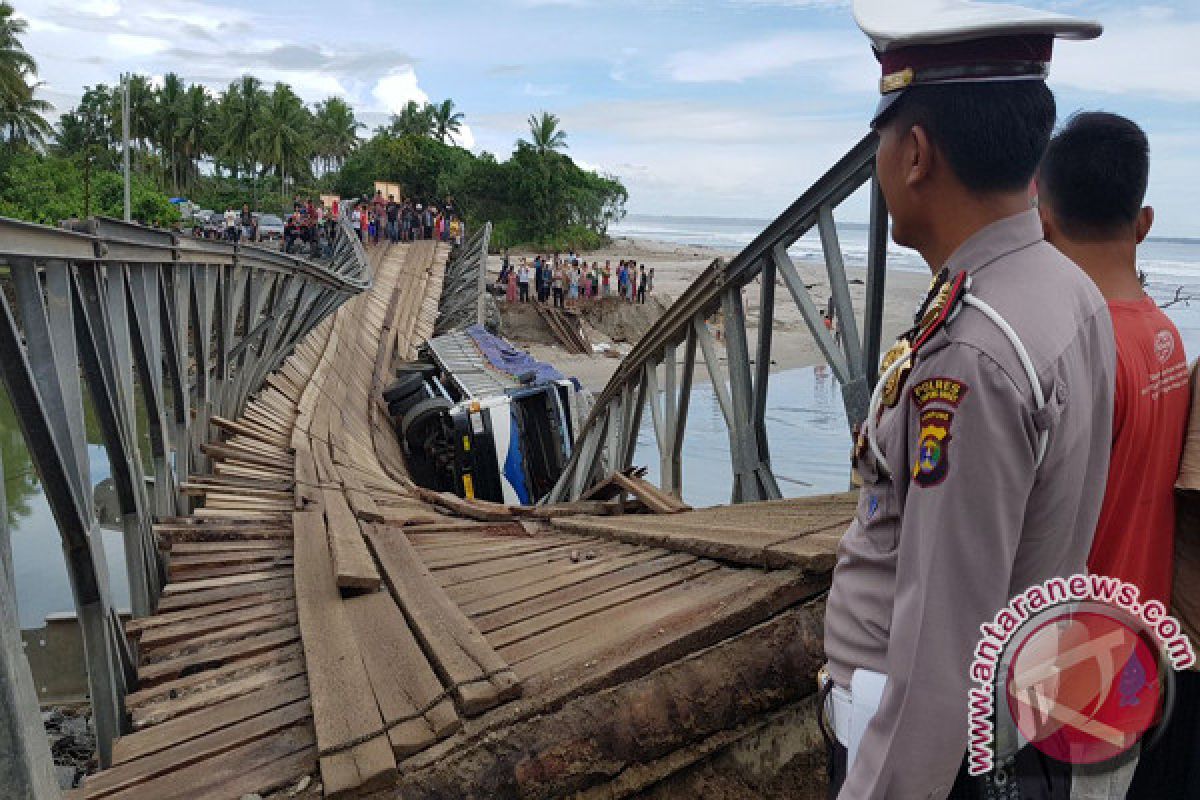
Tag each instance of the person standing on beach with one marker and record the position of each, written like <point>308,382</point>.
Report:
<point>987,439</point>
<point>573,291</point>
<point>392,211</point>
<point>1091,185</point>
<point>557,285</point>
<point>511,286</point>
<point>641,292</point>
<point>523,281</point>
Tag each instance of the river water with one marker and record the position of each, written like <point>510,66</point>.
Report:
<point>38,561</point>
<point>806,423</point>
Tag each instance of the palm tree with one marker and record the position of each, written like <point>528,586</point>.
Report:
<point>446,121</point>
<point>141,111</point>
<point>413,120</point>
<point>335,132</point>
<point>193,131</point>
<point>169,99</point>
<point>15,63</point>
<point>22,120</point>
<point>545,135</point>
<point>283,140</point>
<point>246,102</point>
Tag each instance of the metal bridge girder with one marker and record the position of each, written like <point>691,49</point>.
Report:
<point>108,305</point>
<point>742,394</point>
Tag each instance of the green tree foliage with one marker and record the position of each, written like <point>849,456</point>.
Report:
<point>283,140</point>
<point>22,120</point>
<point>251,144</point>
<point>545,135</point>
<point>335,133</point>
<point>446,121</point>
<point>538,196</point>
<point>49,189</point>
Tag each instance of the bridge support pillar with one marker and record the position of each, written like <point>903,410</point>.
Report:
<point>26,767</point>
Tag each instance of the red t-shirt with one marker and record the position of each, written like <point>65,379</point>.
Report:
<point>1135,537</point>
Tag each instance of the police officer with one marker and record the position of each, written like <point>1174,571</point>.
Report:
<point>984,456</point>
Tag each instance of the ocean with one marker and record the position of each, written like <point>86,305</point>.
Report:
<point>806,421</point>
<point>1171,264</point>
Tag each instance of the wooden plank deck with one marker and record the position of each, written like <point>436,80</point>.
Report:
<point>323,614</point>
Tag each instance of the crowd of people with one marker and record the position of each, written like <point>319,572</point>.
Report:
<point>406,220</point>
<point>309,227</point>
<point>567,281</point>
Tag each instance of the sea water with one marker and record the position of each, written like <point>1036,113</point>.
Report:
<point>1170,265</point>
<point>806,421</point>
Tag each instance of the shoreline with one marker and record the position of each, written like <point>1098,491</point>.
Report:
<point>677,265</point>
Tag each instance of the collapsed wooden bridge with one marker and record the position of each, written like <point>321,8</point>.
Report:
<point>322,617</point>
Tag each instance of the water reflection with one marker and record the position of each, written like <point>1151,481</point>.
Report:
<point>41,574</point>
<point>806,428</point>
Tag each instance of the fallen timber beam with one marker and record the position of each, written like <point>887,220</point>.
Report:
<point>593,739</point>
<point>813,551</point>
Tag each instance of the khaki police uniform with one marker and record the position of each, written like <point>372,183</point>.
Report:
<point>960,516</point>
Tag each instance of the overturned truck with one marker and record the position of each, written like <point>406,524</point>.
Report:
<point>481,419</point>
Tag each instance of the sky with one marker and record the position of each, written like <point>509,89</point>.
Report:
<point>719,108</point>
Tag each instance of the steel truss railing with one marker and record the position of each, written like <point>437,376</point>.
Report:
<point>465,300</point>
<point>193,327</point>
<point>607,440</point>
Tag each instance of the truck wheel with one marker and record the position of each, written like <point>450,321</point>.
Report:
<point>421,418</point>
<point>403,386</point>
<point>401,405</point>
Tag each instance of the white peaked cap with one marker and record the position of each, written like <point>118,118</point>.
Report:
<point>891,24</point>
<point>925,42</point>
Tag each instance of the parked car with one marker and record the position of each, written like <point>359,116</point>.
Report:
<point>269,227</point>
<point>214,226</point>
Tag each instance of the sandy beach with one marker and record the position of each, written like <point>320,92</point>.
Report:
<point>675,267</point>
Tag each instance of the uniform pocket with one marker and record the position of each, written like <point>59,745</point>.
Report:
<point>878,516</point>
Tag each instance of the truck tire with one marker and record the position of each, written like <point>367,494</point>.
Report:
<point>405,385</point>
<point>400,406</point>
<point>416,423</point>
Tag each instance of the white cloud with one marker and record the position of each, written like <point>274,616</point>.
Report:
<point>1151,52</point>
<point>755,58</point>
<point>129,44</point>
<point>396,89</point>
<point>98,8</point>
<point>544,90</point>
<point>465,137</point>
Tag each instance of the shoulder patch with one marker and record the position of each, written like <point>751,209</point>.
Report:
<point>947,391</point>
<point>933,448</point>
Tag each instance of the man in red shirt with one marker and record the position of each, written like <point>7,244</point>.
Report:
<point>1091,185</point>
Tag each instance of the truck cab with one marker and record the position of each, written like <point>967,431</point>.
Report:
<point>479,430</point>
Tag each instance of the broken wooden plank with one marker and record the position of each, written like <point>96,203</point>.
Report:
<point>477,676</point>
<point>416,710</point>
<point>352,562</point>
<point>355,752</point>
